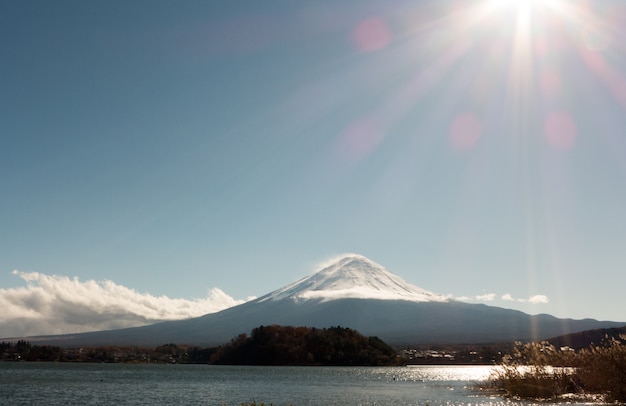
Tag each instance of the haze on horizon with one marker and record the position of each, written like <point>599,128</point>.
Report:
<point>172,159</point>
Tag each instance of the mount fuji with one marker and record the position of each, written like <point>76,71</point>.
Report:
<point>351,291</point>
<point>352,277</point>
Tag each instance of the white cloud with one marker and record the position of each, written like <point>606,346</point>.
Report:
<point>460,298</point>
<point>488,297</point>
<point>538,299</point>
<point>52,304</point>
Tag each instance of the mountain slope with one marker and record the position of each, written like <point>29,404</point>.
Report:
<point>586,338</point>
<point>350,292</point>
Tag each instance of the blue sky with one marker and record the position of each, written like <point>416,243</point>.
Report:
<point>472,148</point>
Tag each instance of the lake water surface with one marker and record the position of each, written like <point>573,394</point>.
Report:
<point>120,384</point>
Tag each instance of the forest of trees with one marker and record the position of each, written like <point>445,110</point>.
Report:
<point>281,345</point>
<point>267,345</point>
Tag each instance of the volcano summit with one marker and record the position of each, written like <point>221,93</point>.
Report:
<point>352,277</point>
<point>351,291</point>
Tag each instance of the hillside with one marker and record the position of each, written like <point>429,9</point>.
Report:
<point>586,338</point>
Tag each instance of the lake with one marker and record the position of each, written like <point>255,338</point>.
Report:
<point>149,384</point>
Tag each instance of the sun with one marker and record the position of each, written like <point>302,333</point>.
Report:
<point>520,3</point>
<point>521,7</point>
<point>524,16</point>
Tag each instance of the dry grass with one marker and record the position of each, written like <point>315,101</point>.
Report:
<point>540,371</point>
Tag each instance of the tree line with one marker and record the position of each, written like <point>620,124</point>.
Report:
<point>266,345</point>
<point>168,353</point>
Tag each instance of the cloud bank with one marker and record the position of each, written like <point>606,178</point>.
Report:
<point>507,297</point>
<point>51,304</point>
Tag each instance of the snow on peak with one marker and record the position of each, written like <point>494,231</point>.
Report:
<point>353,276</point>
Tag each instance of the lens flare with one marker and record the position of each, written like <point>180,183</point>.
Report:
<point>361,138</point>
<point>372,34</point>
<point>465,131</point>
<point>560,130</point>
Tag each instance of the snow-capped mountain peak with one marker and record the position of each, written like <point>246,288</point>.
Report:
<point>353,276</point>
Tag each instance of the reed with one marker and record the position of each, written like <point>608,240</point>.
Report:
<point>541,371</point>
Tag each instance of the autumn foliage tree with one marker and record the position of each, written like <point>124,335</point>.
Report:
<point>286,345</point>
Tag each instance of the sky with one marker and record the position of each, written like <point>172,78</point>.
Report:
<point>163,159</point>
